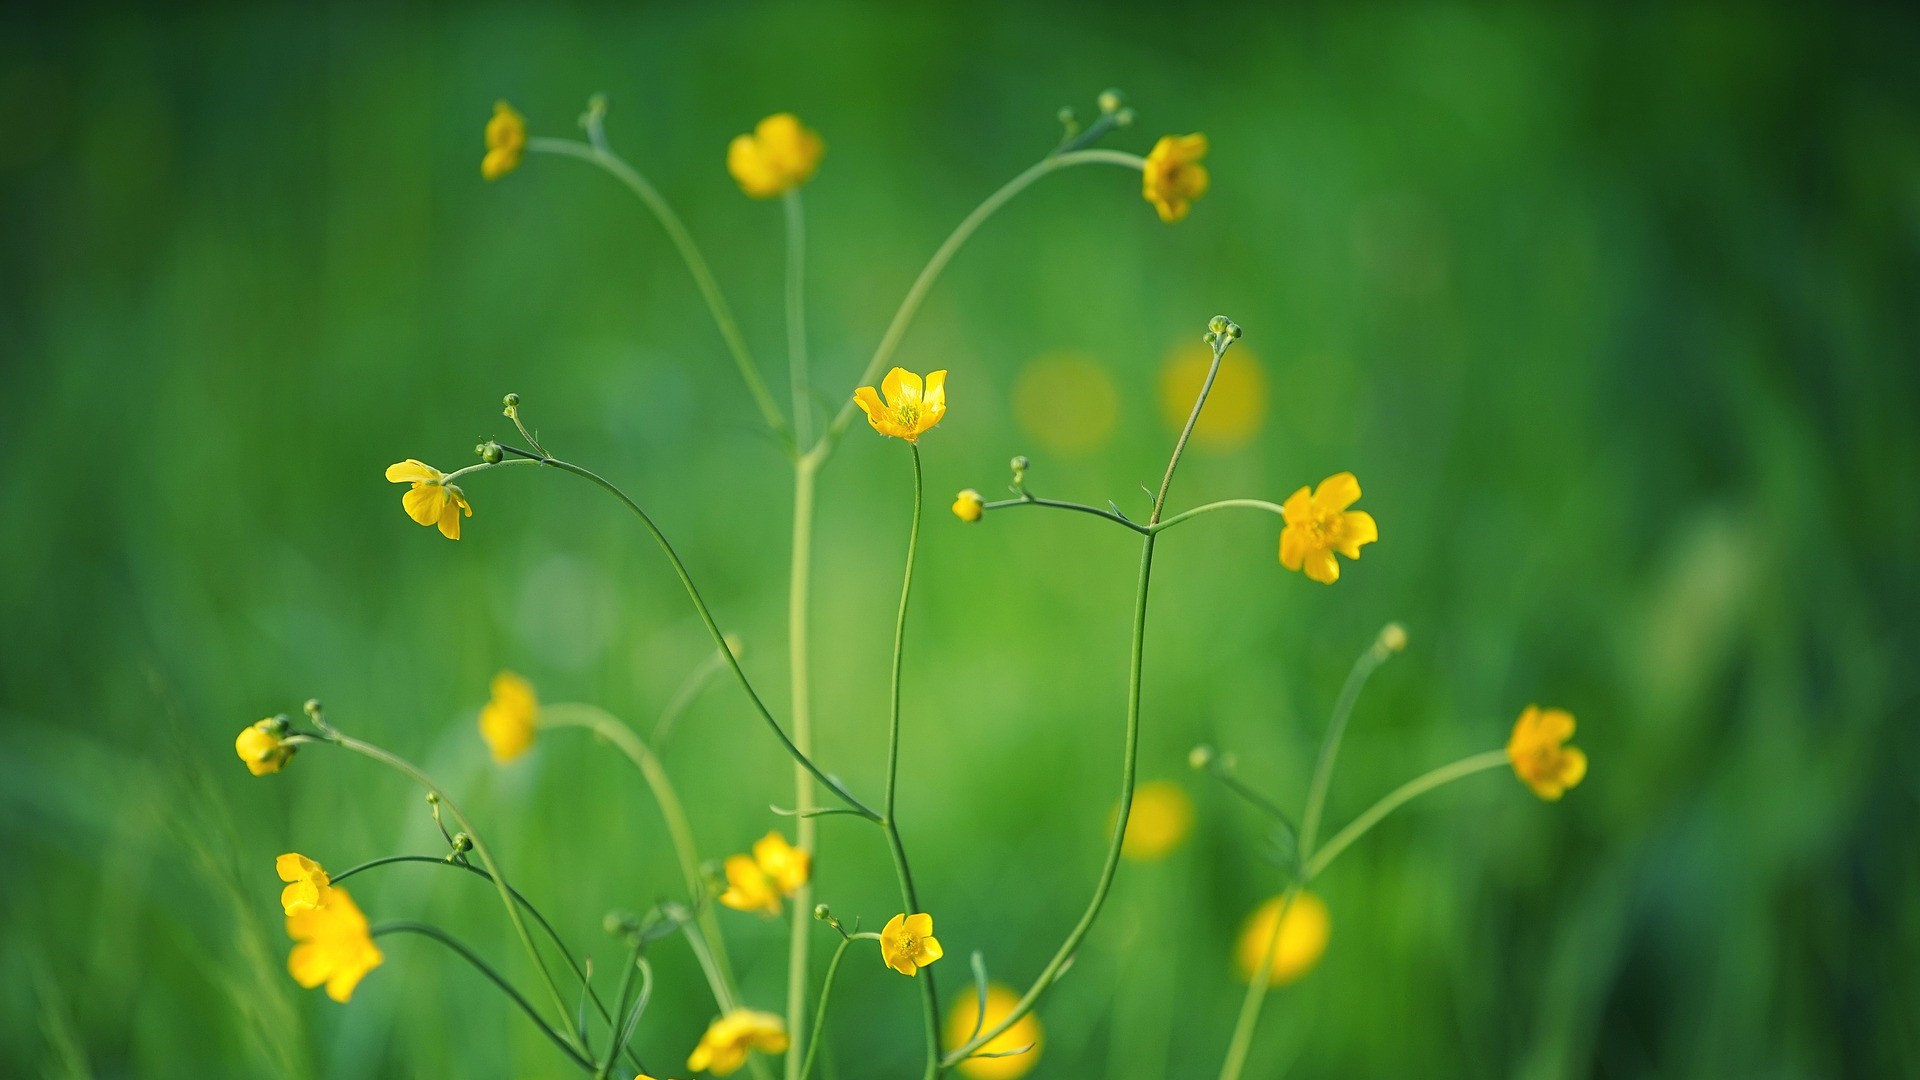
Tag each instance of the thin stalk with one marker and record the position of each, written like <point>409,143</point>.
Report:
<point>1056,504</point>
<point>1420,785</point>
<point>690,254</point>
<point>1224,504</point>
<point>799,666</point>
<point>889,821</point>
<point>820,1015</point>
<point>897,329</point>
<point>1256,996</point>
<point>618,1026</point>
<point>451,942</point>
<point>797,317</point>
<point>1363,667</point>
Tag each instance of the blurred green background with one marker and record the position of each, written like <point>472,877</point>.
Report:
<point>1612,312</point>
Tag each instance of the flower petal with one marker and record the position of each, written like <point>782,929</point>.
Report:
<point>1298,507</point>
<point>411,471</point>
<point>423,503</point>
<point>1573,767</point>
<point>935,395</point>
<point>1356,528</point>
<point>869,402</point>
<point>1293,546</point>
<point>919,924</point>
<point>901,387</point>
<point>1337,492</point>
<point>930,951</point>
<point>450,518</point>
<point>1321,566</point>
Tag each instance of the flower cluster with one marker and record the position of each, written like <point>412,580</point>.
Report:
<point>779,156</point>
<point>506,141</point>
<point>333,945</point>
<point>757,882</point>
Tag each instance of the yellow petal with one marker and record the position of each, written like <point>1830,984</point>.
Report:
<point>1337,492</point>
<point>309,965</point>
<point>919,924</point>
<point>869,402</point>
<point>1293,546</point>
<point>1573,767</point>
<point>1555,725</point>
<point>934,396</point>
<point>412,471</point>
<point>930,951</point>
<point>1321,566</point>
<point>901,387</point>
<point>1298,507</point>
<point>894,926</point>
<point>1356,528</point>
<point>450,518</point>
<point>423,503</point>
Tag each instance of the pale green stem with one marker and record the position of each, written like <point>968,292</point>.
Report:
<point>1363,667</point>
<point>1256,996</point>
<point>1131,741</point>
<point>1420,785</point>
<point>1224,504</point>
<point>799,598</point>
<point>797,317</point>
<point>897,329</point>
<point>394,761</point>
<point>690,254</point>
<point>619,1011</point>
<point>820,1015</point>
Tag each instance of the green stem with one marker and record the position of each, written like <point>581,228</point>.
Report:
<point>799,663</point>
<point>1224,504</point>
<point>889,821</point>
<point>620,1010</point>
<point>1256,996</point>
<point>897,329</point>
<point>1420,785</point>
<point>394,761</point>
<point>1363,667</point>
<point>820,1015</point>
<point>690,254</point>
<point>451,942</point>
<point>1056,504</point>
<point>797,317</point>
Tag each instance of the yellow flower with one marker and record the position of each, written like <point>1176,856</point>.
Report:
<point>431,500</point>
<point>969,507</point>
<point>1024,1032</point>
<point>1174,177</point>
<point>907,943</point>
<point>749,888</point>
<point>1320,524</point>
<point>785,865</point>
<point>1161,818</point>
<point>510,717</point>
<point>309,885</point>
<point>334,947</point>
<point>723,1049</point>
<point>506,140</point>
<point>1303,937</point>
<point>910,410</point>
<point>1539,754</point>
<point>263,747</point>
<point>1066,402</point>
<point>779,156</point>
<point>1236,407</point>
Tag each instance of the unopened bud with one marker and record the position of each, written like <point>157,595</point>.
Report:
<point>969,507</point>
<point>822,912</point>
<point>1218,324</point>
<point>312,707</point>
<point>1200,756</point>
<point>1111,100</point>
<point>490,452</point>
<point>462,843</point>
<point>1393,637</point>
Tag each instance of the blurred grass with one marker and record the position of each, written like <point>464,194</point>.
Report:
<point>1611,311</point>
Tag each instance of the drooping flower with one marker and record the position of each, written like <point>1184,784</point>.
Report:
<point>308,884</point>
<point>510,718</point>
<point>506,141</point>
<point>1319,524</point>
<point>779,156</point>
<point>1161,818</point>
<point>969,507</point>
<point>786,866</point>
<point>907,943</point>
<point>1540,755</point>
<point>728,1040</point>
<point>1173,176</point>
<point>749,888</point>
<point>334,946</point>
<point>911,408</point>
<point>262,745</point>
<point>1303,938</point>
<point>431,500</point>
<point>1024,1032</point>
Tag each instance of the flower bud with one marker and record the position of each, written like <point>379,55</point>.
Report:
<point>1218,324</point>
<point>1111,100</point>
<point>312,707</point>
<point>511,401</point>
<point>1393,637</point>
<point>462,843</point>
<point>1020,465</point>
<point>1200,756</point>
<point>822,912</point>
<point>969,507</point>
<point>490,452</point>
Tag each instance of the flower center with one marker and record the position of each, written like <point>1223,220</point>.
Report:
<point>1325,529</point>
<point>909,945</point>
<point>906,413</point>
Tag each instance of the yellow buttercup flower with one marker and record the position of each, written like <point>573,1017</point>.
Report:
<point>749,888</point>
<point>724,1048</point>
<point>1236,407</point>
<point>907,943</point>
<point>1320,524</point>
<point>506,141</point>
<point>786,866</point>
<point>431,500</point>
<point>1540,755</point>
<point>1303,937</point>
<point>334,946</point>
<point>308,884</point>
<point>263,747</point>
<point>969,507</point>
<point>510,717</point>
<point>1161,819</point>
<point>1173,176</point>
<point>779,156</point>
<point>1024,1032</point>
<point>911,409</point>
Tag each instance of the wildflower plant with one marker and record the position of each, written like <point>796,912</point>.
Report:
<point>995,1031</point>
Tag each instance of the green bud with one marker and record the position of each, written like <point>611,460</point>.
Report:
<point>1218,324</point>
<point>462,843</point>
<point>1111,100</point>
<point>312,707</point>
<point>1200,756</point>
<point>821,912</point>
<point>490,452</point>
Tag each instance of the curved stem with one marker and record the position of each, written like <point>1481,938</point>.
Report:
<point>1055,504</point>
<point>820,1014</point>
<point>1420,785</point>
<point>451,942</point>
<point>394,761</point>
<point>889,821</point>
<point>1224,504</point>
<point>897,329</point>
<point>1256,996</point>
<point>690,254</point>
<point>799,667</point>
<point>1330,745</point>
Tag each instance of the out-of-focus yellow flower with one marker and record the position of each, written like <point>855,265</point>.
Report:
<point>1319,524</point>
<point>1174,177</point>
<point>749,888</point>
<point>911,408</point>
<point>1236,407</point>
<point>334,946</point>
<point>969,507</point>
<point>510,718</point>
<point>308,883</point>
<point>785,865</point>
<point>1540,755</point>
<point>779,156</point>
<point>1161,819</point>
<point>907,943</point>
<point>1066,402</point>
<point>1303,937</point>
<point>1024,1032</point>
<point>431,500</point>
<point>724,1048</point>
<point>506,141</point>
<point>263,747</point>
